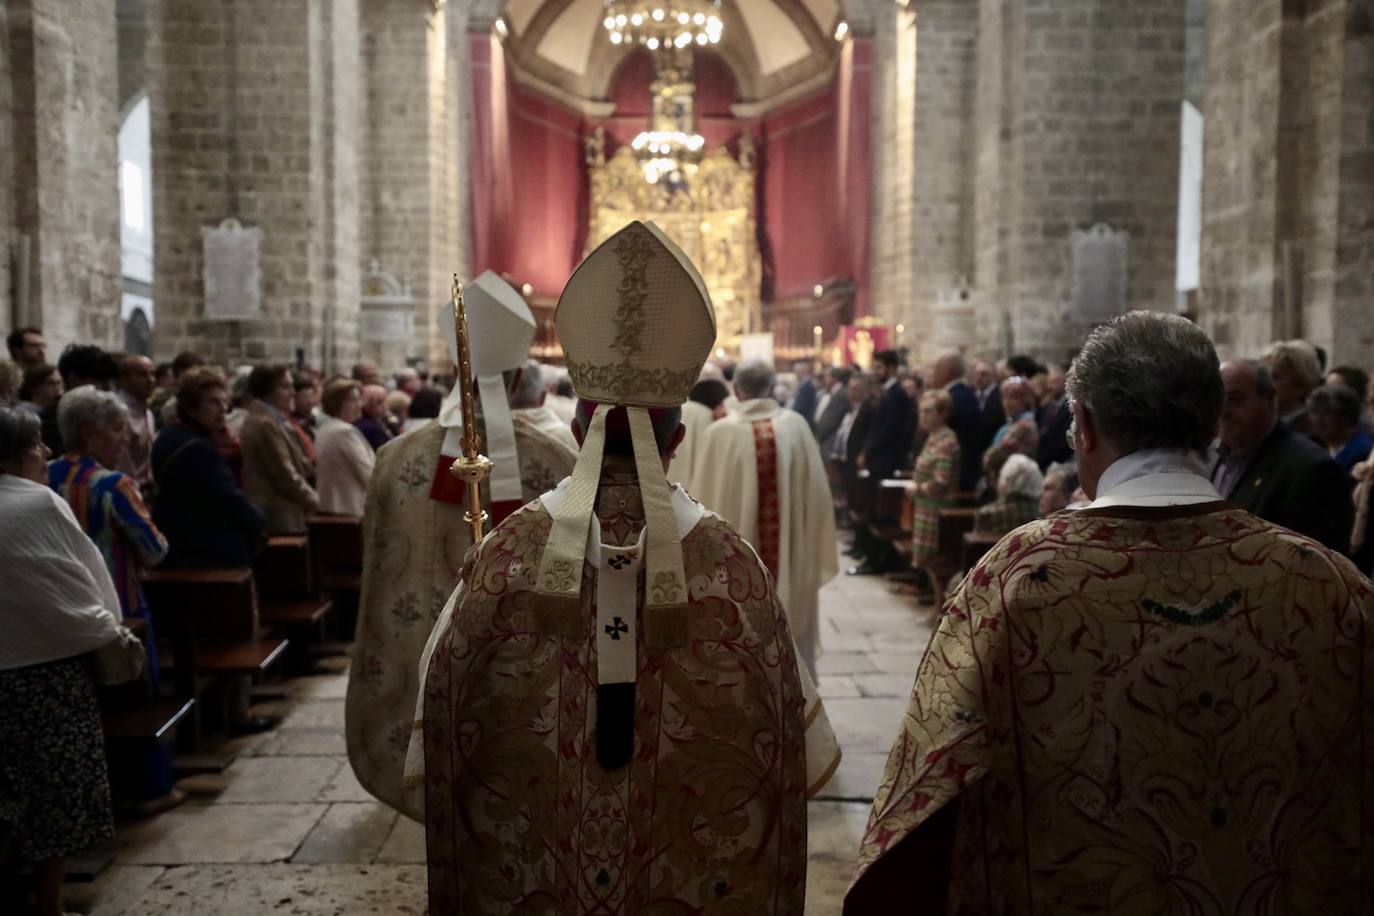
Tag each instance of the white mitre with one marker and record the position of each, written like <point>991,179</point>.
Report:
<point>636,324</point>
<point>500,331</point>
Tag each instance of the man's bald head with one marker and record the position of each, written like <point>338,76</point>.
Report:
<point>949,367</point>
<point>374,401</point>
<point>754,379</point>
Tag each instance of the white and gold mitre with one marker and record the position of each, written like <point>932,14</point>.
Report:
<point>636,324</point>
<point>636,321</point>
<point>500,330</point>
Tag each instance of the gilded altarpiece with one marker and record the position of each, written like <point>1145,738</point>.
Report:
<point>711,217</point>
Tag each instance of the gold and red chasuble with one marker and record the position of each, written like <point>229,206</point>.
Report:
<point>1137,710</point>
<point>770,513</point>
<point>709,815</point>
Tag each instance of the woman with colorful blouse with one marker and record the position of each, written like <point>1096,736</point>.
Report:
<point>936,475</point>
<point>106,503</point>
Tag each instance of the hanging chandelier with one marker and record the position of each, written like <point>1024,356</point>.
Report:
<point>657,24</point>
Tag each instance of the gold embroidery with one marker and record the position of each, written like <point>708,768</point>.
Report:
<point>559,576</point>
<point>634,251</point>
<point>666,589</point>
<point>625,380</point>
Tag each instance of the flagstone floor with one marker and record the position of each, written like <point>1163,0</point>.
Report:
<point>287,829</point>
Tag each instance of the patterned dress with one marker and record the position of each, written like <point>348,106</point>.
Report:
<point>1139,710</point>
<point>109,508</point>
<point>934,479</point>
<point>54,786</point>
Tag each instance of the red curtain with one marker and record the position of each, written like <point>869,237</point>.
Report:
<point>815,201</point>
<point>528,180</point>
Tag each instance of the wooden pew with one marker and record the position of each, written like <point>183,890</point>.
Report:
<point>210,621</point>
<point>284,575</point>
<point>336,548</point>
<point>138,724</point>
<point>975,547</point>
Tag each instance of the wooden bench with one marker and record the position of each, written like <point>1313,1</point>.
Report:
<point>212,628</point>
<point>284,569</point>
<point>336,547</point>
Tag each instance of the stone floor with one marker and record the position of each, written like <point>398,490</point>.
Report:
<point>287,829</point>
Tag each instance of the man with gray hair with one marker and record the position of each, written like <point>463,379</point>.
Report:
<point>761,470</point>
<point>1266,467</point>
<point>528,403</point>
<point>1157,672</point>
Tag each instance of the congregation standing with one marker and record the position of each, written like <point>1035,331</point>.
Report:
<point>119,465</point>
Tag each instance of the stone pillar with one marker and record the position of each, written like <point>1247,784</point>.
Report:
<point>410,222</point>
<point>1078,125</point>
<point>894,164</point>
<point>59,126</point>
<point>943,180</point>
<point>251,119</point>
<point>1288,184</point>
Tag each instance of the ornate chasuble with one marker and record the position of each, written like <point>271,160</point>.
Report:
<point>770,512</point>
<point>709,816</point>
<point>413,547</point>
<point>1135,710</point>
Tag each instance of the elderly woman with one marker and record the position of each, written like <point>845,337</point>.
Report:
<point>276,471</point>
<point>1018,497</point>
<point>936,476</point>
<point>343,457</point>
<point>205,515</point>
<point>57,604</point>
<point>107,504</point>
<point>1058,489</point>
<point>1335,411</point>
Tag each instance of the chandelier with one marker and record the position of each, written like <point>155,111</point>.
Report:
<point>663,24</point>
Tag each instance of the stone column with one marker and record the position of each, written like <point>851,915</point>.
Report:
<point>59,126</point>
<point>1288,186</point>
<point>252,119</point>
<point>1078,125</point>
<point>894,166</point>
<point>943,180</point>
<point>410,222</point>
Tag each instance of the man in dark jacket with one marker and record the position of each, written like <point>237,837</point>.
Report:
<point>890,436</point>
<point>828,423</point>
<point>965,417</point>
<point>804,401</point>
<point>1267,469</point>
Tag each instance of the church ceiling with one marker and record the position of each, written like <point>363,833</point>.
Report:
<point>771,45</point>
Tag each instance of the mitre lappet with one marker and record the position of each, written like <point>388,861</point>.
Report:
<point>501,327</point>
<point>636,324</point>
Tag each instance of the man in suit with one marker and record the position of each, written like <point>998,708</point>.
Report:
<point>1267,469</point>
<point>831,415</point>
<point>885,449</point>
<point>804,401</point>
<point>965,417</point>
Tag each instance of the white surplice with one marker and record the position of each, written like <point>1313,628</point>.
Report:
<point>696,417</point>
<point>726,478</point>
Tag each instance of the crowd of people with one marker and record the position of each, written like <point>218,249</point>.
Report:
<point>1293,446</point>
<point>186,465</point>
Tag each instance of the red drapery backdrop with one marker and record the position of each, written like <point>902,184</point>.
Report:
<point>529,181</point>
<point>815,202</point>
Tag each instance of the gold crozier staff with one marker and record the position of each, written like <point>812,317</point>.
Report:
<point>472,467</point>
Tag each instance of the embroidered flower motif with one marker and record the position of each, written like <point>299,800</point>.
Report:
<point>559,577</point>
<point>666,589</point>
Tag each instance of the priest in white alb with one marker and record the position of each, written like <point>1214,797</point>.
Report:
<point>414,535</point>
<point>761,469</point>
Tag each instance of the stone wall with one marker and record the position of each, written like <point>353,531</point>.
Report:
<point>7,144</point>
<point>1287,176</point>
<point>61,137</point>
<point>410,211</point>
<point>894,165</point>
<point>943,181</point>
<point>342,140</point>
<point>245,104</point>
